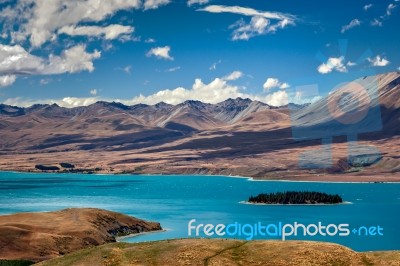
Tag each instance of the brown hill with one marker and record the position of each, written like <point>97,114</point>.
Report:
<point>234,137</point>
<point>41,236</point>
<point>225,252</point>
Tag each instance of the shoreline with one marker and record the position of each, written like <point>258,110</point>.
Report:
<point>119,238</point>
<point>304,204</point>
<point>250,179</point>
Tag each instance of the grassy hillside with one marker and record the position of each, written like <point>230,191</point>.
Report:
<point>44,235</point>
<point>224,252</point>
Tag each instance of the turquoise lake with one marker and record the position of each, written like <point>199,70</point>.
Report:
<point>175,200</point>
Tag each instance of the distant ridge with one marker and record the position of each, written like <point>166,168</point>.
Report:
<point>234,137</point>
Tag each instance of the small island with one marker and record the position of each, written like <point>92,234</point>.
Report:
<point>296,197</point>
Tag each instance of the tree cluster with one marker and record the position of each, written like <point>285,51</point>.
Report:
<point>295,197</point>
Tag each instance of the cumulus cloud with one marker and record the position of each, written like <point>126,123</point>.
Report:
<point>378,61</point>
<point>352,24</point>
<point>333,63</point>
<point>68,102</point>
<point>278,98</point>
<point>215,91</point>
<point>39,20</point>
<point>272,83</point>
<point>16,61</point>
<point>72,60</point>
<point>197,2</point>
<point>244,31</point>
<point>109,32</point>
<point>259,24</point>
<point>153,4</point>
<point>7,80</point>
<point>160,52</point>
<point>28,25</point>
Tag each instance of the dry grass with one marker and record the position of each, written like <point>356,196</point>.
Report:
<point>41,236</point>
<point>225,252</point>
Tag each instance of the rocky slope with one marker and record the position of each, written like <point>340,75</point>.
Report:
<point>234,137</point>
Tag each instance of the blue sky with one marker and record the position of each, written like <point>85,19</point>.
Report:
<point>78,52</point>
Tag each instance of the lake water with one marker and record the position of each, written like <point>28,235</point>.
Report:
<point>175,200</point>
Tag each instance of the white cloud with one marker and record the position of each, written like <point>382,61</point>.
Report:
<point>350,64</point>
<point>368,6</point>
<point>333,63</point>
<point>379,22</point>
<point>259,24</point>
<point>272,83</point>
<point>7,80</point>
<point>376,23</point>
<point>233,76</point>
<point>127,69</point>
<point>390,9</point>
<point>39,20</point>
<point>214,65</point>
<point>245,31</point>
<point>150,40</point>
<point>109,32</point>
<point>72,60</point>
<point>15,61</point>
<point>153,4</point>
<point>216,91</point>
<point>197,2</point>
<point>160,52</point>
<point>173,69</point>
<point>246,12</point>
<point>68,102</point>
<point>93,92</point>
<point>378,61</point>
<point>278,98</point>
<point>44,81</point>
<point>352,24</point>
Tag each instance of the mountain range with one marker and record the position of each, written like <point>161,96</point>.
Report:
<point>236,136</point>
